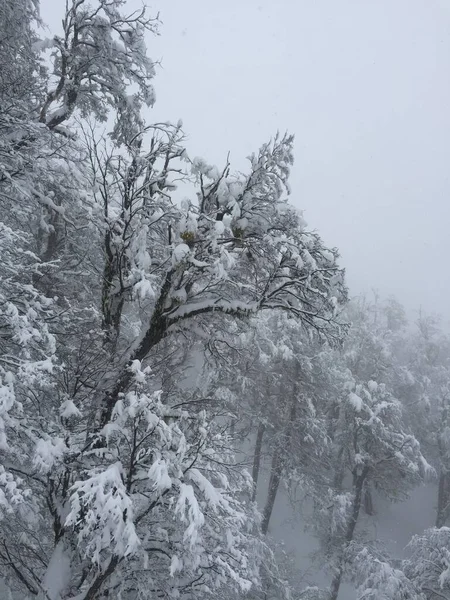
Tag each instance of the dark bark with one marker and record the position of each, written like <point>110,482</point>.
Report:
<point>112,300</point>
<point>338,437</point>
<point>358,486</point>
<point>368,501</point>
<point>155,333</point>
<point>96,585</point>
<point>336,583</point>
<point>50,244</point>
<point>274,483</point>
<point>117,265</point>
<point>279,458</point>
<point>443,507</point>
<point>339,469</point>
<point>257,458</point>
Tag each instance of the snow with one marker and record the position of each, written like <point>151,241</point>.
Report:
<point>58,573</point>
<point>144,289</point>
<point>11,492</point>
<point>176,565</point>
<point>211,494</point>
<point>211,305</point>
<point>102,511</point>
<point>227,220</point>
<point>68,409</point>
<point>179,254</point>
<point>429,472</point>
<point>140,375</point>
<point>219,227</point>
<point>242,223</point>
<point>355,401</point>
<point>187,507</point>
<point>7,399</point>
<point>159,475</point>
<point>200,166</point>
<point>121,457</point>
<point>328,256</point>
<point>373,386</point>
<point>48,452</point>
<point>180,295</point>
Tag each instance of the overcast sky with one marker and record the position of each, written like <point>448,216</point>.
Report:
<point>365,87</point>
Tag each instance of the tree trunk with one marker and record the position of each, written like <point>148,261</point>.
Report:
<point>274,483</point>
<point>339,469</point>
<point>155,333</point>
<point>336,583</point>
<point>368,501</point>
<point>358,485</point>
<point>279,458</point>
<point>338,437</point>
<point>257,458</point>
<point>117,262</point>
<point>49,242</point>
<point>93,591</point>
<point>443,499</point>
<point>112,298</point>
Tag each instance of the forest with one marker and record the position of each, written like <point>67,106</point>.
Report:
<point>178,349</point>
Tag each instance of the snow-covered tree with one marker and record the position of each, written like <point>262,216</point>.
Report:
<point>292,428</point>
<point>99,55</point>
<point>427,397</point>
<point>375,448</point>
<point>371,446</point>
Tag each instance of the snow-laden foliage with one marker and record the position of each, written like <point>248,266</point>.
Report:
<point>428,565</point>
<point>375,442</point>
<point>371,448</point>
<point>19,63</point>
<point>27,358</point>
<point>292,428</point>
<point>377,580</point>
<point>169,501</point>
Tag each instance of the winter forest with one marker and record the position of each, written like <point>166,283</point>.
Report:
<point>181,359</point>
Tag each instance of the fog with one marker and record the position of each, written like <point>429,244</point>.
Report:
<point>364,87</point>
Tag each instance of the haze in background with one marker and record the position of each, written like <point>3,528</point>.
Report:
<point>365,87</point>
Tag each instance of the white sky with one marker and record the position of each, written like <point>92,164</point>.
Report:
<point>365,87</point>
